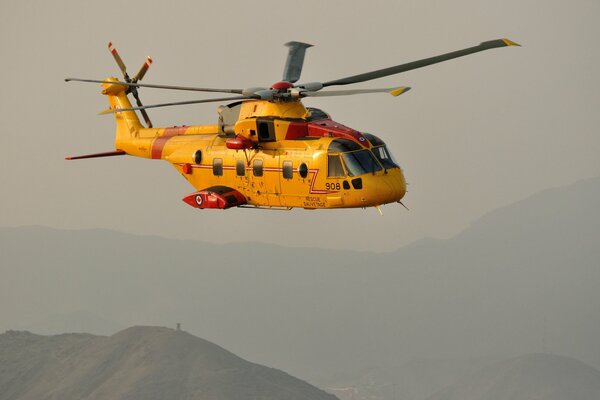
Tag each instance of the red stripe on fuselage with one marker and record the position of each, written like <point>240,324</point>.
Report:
<point>312,190</point>
<point>159,143</point>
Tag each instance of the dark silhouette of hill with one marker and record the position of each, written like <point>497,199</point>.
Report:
<point>145,363</point>
<point>520,280</point>
<point>534,376</point>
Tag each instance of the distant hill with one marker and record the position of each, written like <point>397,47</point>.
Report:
<point>139,363</point>
<point>522,279</point>
<point>535,376</point>
<point>415,379</point>
<point>75,321</point>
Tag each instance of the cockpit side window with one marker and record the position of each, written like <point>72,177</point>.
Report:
<point>334,167</point>
<point>381,151</point>
<point>385,157</point>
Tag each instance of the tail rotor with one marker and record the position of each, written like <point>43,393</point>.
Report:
<point>137,77</point>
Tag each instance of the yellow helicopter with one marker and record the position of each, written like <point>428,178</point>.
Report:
<point>268,150</point>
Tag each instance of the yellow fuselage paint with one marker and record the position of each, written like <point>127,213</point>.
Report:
<point>259,173</point>
<point>277,173</point>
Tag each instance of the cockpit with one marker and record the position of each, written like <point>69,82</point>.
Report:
<point>381,151</point>
<point>348,158</point>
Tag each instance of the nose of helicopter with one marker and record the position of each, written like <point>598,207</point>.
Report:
<point>385,187</point>
<point>391,186</point>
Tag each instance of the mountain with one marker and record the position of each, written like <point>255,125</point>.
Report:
<point>533,376</point>
<point>73,321</point>
<point>522,279</point>
<point>413,379</point>
<point>146,363</point>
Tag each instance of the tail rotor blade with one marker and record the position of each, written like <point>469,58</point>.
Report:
<point>136,96</point>
<point>118,59</point>
<point>142,110</point>
<point>146,117</point>
<point>143,70</point>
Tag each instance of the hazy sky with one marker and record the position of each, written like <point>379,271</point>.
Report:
<point>473,134</point>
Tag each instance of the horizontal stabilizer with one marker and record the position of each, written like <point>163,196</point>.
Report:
<point>98,155</point>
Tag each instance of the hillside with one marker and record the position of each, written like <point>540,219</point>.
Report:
<point>145,363</point>
<point>534,376</point>
<point>522,279</point>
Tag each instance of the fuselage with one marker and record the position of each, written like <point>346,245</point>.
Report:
<point>275,155</point>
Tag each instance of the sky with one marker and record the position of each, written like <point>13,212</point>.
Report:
<point>473,135</point>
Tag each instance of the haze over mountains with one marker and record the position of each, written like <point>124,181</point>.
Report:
<point>522,279</point>
<point>138,363</point>
<point>533,376</point>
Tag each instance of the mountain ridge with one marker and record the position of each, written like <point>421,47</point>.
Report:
<point>140,362</point>
<point>531,376</point>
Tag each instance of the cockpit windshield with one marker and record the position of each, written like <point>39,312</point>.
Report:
<point>356,159</point>
<point>360,162</point>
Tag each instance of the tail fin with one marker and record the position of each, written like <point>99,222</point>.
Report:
<point>128,123</point>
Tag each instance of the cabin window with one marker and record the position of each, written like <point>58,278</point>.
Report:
<point>198,157</point>
<point>303,170</point>
<point>334,167</point>
<point>240,168</point>
<point>217,166</point>
<point>288,171</point>
<point>257,167</point>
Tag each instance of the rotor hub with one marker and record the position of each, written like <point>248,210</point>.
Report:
<point>282,85</point>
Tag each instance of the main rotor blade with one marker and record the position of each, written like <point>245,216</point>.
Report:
<point>178,103</point>
<point>148,85</point>
<point>420,63</point>
<point>393,91</point>
<point>295,60</point>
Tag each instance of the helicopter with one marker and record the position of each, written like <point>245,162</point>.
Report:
<point>267,150</point>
